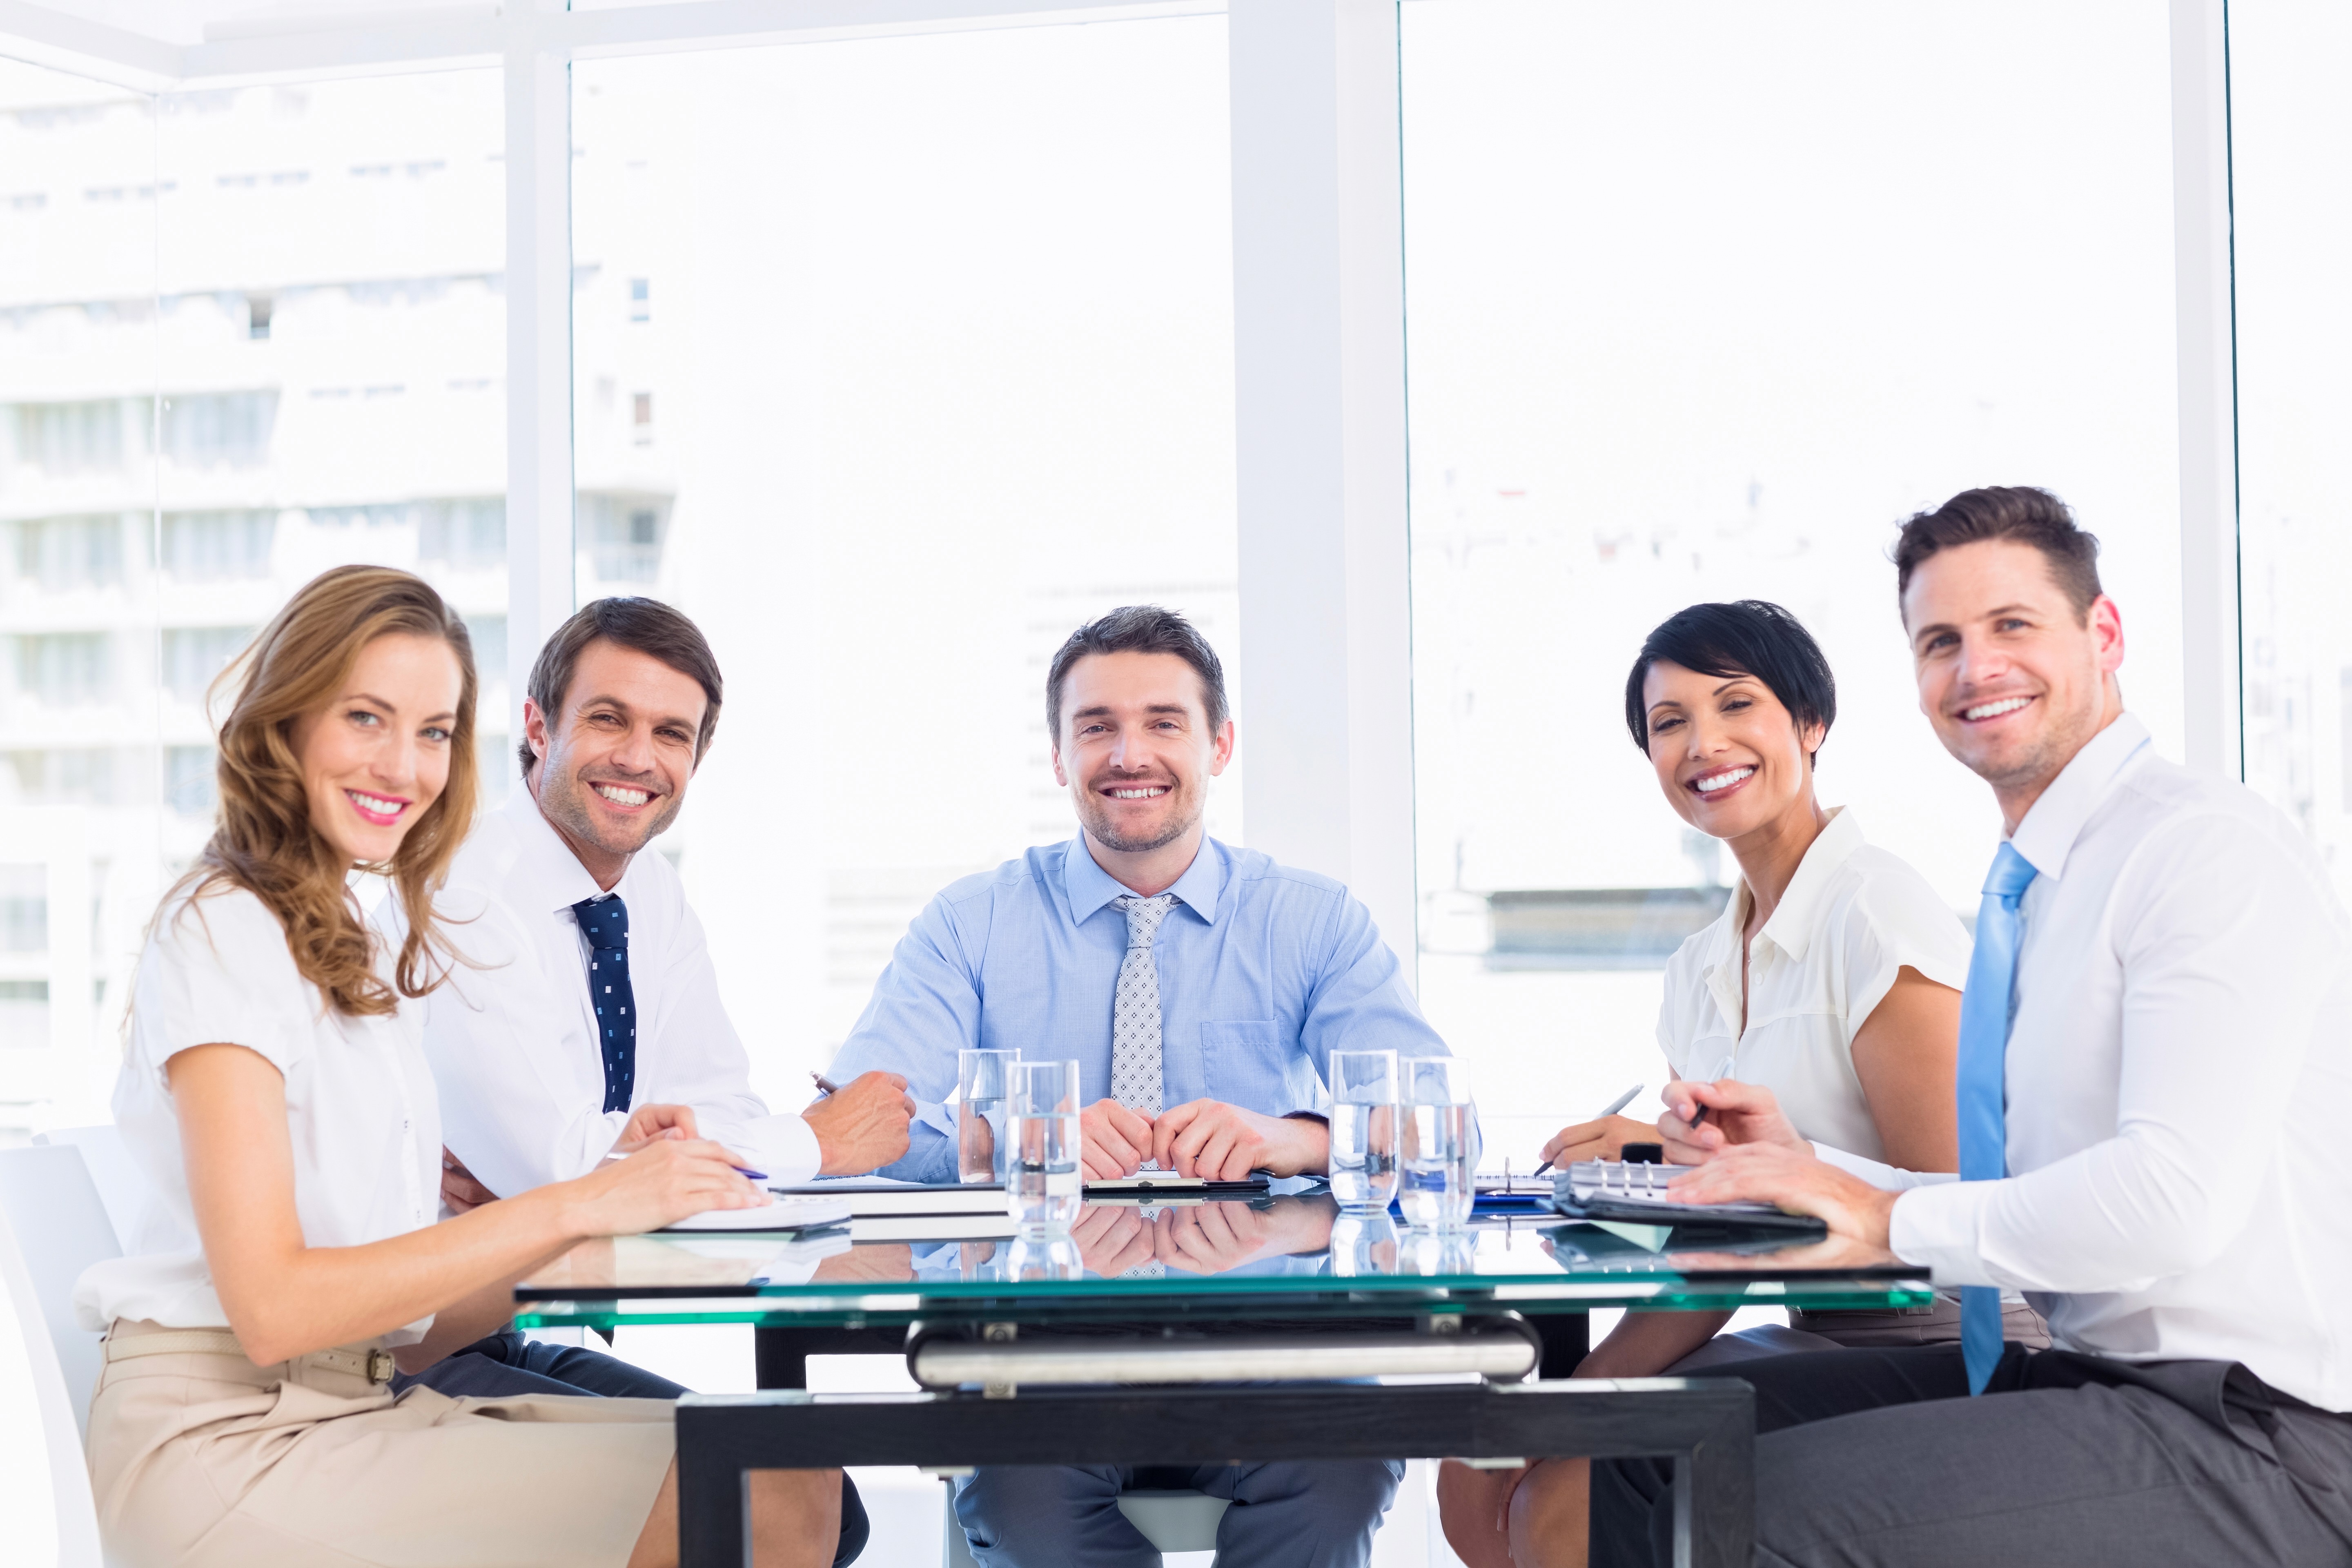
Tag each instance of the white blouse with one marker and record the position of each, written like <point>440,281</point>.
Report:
<point>1853,915</point>
<point>359,1105</point>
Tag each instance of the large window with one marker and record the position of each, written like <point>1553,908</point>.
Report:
<point>245,335</point>
<point>1703,299</point>
<point>2291,137</point>
<point>894,360</point>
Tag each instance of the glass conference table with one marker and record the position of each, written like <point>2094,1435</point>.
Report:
<point>1211,1332</point>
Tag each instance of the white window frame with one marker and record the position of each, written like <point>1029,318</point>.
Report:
<point>1319,358</point>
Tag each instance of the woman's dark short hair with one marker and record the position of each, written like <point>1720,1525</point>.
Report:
<point>2019,514</point>
<point>1749,637</point>
<point>646,626</point>
<point>1138,628</point>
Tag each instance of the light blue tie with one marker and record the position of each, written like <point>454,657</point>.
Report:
<point>1983,1090</point>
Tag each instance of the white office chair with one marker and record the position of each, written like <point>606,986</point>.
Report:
<point>51,1229</point>
<point>121,1185</point>
<point>1172,1522</point>
<point>61,1228</point>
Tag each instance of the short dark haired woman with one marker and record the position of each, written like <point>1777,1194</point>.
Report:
<point>277,1094</point>
<point>1832,982</point>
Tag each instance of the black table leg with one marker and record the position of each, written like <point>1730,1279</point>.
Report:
<point>1567,1340</point>
<point>1707,1425</point>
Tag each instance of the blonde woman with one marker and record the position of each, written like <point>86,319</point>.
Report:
<point>274,1093</point>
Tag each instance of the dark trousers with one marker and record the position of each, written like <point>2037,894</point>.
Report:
<point>506,1364</point>
<point>1878,1457</point>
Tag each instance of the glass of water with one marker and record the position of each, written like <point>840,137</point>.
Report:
<point>1436,1191</point>
<point>980,1114</point>
<point>1044,1147</point>
<point>1363,1129</point>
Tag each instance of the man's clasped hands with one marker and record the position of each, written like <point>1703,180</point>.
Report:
<point>1204,1139</point>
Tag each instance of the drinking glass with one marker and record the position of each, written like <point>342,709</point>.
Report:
<point>1363,1129</point>
<point>1436,1191</point>
<point>980,1114</point>
<point>1045,1147</point>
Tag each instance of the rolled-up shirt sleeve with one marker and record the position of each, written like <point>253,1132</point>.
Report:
<point>924,1010</point>
<point>2225,945</point>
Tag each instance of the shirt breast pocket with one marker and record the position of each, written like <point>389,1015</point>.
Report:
<point>1249,1063</point>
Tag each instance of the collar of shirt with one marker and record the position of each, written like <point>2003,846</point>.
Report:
<point>1088,887</point>
<point>2054,821</point>
<point>1790,928</point>
<point>557,878</point>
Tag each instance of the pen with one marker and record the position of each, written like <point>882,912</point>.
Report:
<point>825,1084</point>
<point>1722,1070</point>
<point>1612,1109</point>
<point>742,1170</point>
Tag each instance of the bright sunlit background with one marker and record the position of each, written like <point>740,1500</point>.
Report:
<point>894,359</point>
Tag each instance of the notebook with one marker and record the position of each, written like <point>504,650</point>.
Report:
<point>784,1214</point>
<point>1613,1190</point>
<point>870,1196</point>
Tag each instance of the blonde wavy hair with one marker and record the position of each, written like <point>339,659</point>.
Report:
<point>263,840</point>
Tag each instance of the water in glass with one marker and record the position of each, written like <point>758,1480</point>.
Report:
<point>982,1105</point>
<point>1045,1147</point>
<point>1436,1192</point>
<point>1363,1155</point>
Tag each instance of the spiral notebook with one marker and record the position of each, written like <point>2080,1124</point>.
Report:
<point>1615,1190</point>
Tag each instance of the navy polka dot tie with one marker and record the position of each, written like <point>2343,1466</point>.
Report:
<point>606,922</point>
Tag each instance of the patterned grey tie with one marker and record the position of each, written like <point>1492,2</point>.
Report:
<point>1135,1010</point>
<point>1135,1026</point>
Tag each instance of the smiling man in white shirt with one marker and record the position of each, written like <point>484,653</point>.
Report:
<point>584,1015</point>
<point>2152,1076</point>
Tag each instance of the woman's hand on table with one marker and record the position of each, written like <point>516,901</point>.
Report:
<point>1737,1113</point>
<point>1602,1140</point>
<point>659,1184</point>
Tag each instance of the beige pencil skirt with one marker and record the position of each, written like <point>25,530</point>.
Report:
<point>199,1457</point>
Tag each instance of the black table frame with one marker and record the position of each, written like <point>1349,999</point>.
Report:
<point>1707,1424</point>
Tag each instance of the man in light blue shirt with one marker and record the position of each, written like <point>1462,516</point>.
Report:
<point>1201,989</point>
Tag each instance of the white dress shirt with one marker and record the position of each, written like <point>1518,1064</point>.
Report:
<point>2178,1073</point>
<point>358,1106</point>
<point>1853,915</point>
<point>513,1043</point>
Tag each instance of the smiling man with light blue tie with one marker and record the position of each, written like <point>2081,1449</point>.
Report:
<point>2153,1072</point>
<point>1201,989</point>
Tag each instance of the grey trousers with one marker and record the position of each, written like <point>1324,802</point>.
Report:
<point>1878,1457</point>
<point>1297,1514</point>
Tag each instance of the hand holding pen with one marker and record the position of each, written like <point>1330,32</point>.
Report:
<point>1721,1113</point>
<point>1589,1139</point>
<point>861,1125</point>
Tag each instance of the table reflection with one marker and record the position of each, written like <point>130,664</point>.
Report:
<point>1290,1235</point>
